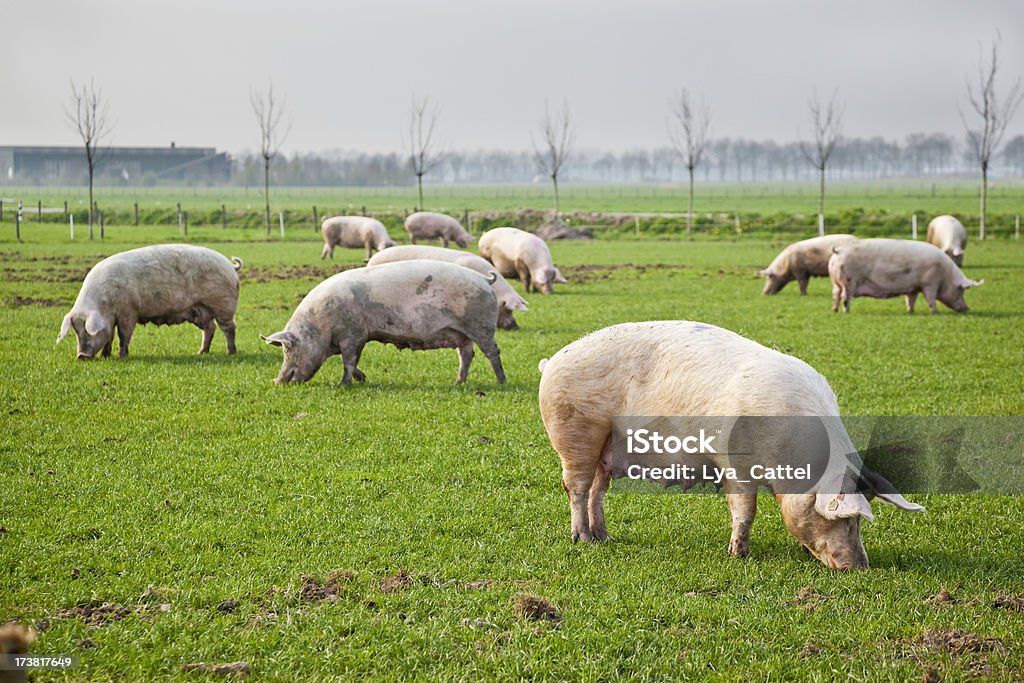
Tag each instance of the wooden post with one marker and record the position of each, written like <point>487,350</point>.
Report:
<point>1016,228</point>
<point>136,213</point>
<point>65,209</point>
<point>636,225</point>
<point>223,217</point>
<point>738,228</point>
<point>184,220</point>
<point>316,223</point>
<point>39,211</point>
<point>465,219</point>
<point>103,223</point>
<point>364,210</point>
<point>821,225</point>
<point>1,211</point>
<point>280,215</point>
<point>180,226</point>
<point>913,226</point>
<point>17,223</point>
<point>72,217</point>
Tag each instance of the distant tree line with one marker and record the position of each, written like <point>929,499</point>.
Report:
<point>726,160</point>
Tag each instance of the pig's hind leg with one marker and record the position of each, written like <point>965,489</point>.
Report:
<point>490,349</point>
<point>602,477</point>
<point>350,357</point>
<point>125,328</point>
<point>465,349</point>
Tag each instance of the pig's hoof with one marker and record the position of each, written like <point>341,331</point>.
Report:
<point>601,535</point>
<point>358,376</point>
<point>739,549</point>
<point>582,537</point>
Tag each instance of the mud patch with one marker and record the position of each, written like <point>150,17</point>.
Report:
<point>98,615</point>
<point>480,585</point>
<point>48,274</point>
<point>942,599</point>
<point>954,642</point>
<point>265,274</point>
<point>19,301</point>
<point>535,608</point>
<point>591,272</point>
<point>333,588</point>
<point>1013,603</point>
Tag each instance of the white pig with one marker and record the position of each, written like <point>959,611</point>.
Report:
<point>520,254</point>
<point>885,268</point>
<point>353,232</point>
<point>414,305</point>
<point>428,225</point>
<point>692,369</point>
<point>165,284</point>
<point>508,300</point>
<point>800,260</point>
<point>949,235</point>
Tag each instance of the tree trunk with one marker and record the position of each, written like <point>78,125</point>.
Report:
<point>90,201</point>
<point>821,191</point>
<point>984,201</point>
<point>689,211</point>
<point>554,181</point>
<point>266,195</point>
<point>419,188</point>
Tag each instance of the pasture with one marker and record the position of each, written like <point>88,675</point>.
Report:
<point>171,508</point>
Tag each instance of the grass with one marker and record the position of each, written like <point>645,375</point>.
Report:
<point>196,483</point>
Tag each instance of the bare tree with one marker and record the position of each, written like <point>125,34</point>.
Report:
<point>557,137</point>
<point>995,115</point>
<point>89,114</point>
<point>424,154</point>
<point>268,113</point>
<point>826,123</point>
<point>688,130</point>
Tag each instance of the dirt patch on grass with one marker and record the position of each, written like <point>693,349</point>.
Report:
<point>954,642</point>
<point>589,272</point>
<point>808,599</point>
<point>399,581</point>
<point>48,274</point>
<point>479,585</point>
<point>1013,603</point>
<point>97,615</point>
<point>334,587</point>
<point>535,608</point>
<point>19,301</point>
<point>268,274</point>
<point>236,669</point>
<point>942,599</point>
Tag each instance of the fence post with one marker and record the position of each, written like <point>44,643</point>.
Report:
<point>738,228</point>
<point>39,210</point>
<point>821,225</point>
<point>1016,228</point>
<point>913,226</point>
<point>180,225</point>
<point>315,221</point>
<point>72,218</point>
<point>103,223</point>
<point>364,210</point>
<point>184,220</point>
<point>1,211</point>
<point>17,223</point>
<point>136,213</point>
<point>280,215</point>
<point>65,209</point>
<point>465,219</point>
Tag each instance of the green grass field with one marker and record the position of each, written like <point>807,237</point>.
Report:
<point>384,530</point>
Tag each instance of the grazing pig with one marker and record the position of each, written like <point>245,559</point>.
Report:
<point>508,300</point>
<point>428,225</point>
<point>165,284</point>
<point>693,369</point>
<point>949,235</point>
<point>884,268</point>
<point>519,254</point>
<point>353,232</point>
<point>800,260</point>
<point>414,305</point>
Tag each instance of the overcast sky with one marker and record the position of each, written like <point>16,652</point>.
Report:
<point>182,70</point>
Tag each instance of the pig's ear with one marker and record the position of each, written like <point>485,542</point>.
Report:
<point>841,505</point>
<point>283,338</point>
<point>94,323</point>
<point>64,327</point>
<point>972,283</point>
<point>518,304</point>
<point>875,485</point>
<point>559,278</point>
<point>767,272</point>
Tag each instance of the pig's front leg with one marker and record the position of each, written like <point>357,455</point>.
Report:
<point>350,357</point>
<point>742,507</point>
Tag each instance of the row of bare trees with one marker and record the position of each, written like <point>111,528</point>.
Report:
<point>689,127</point>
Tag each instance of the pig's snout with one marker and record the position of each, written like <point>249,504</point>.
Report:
<point>84,356</point>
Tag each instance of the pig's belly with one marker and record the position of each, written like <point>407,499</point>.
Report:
<point>446,338</point>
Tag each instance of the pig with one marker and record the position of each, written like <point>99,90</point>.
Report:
<point>428,225</point>
<point>693,369</point>
<point>165,284</point>
<point>800,260</point>
<point>884,268</point>
<point>523,255</point>
<point>354,232</point>
<point>414,305</point>
<point>949,235</point>
<point>508,300</point>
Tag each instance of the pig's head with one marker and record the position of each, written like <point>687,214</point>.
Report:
<point>463,240</point>
<point>385,243</point>
<point>549,276</point>
<point>506,305</point>
<point>952,292</point>
<point>303,355</point>
<point>773,281</point>
<point>957,254</point>
<point>94,332</point>
<point>828,524</point>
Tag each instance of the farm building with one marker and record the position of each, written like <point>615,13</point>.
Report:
<point>131,165</point>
